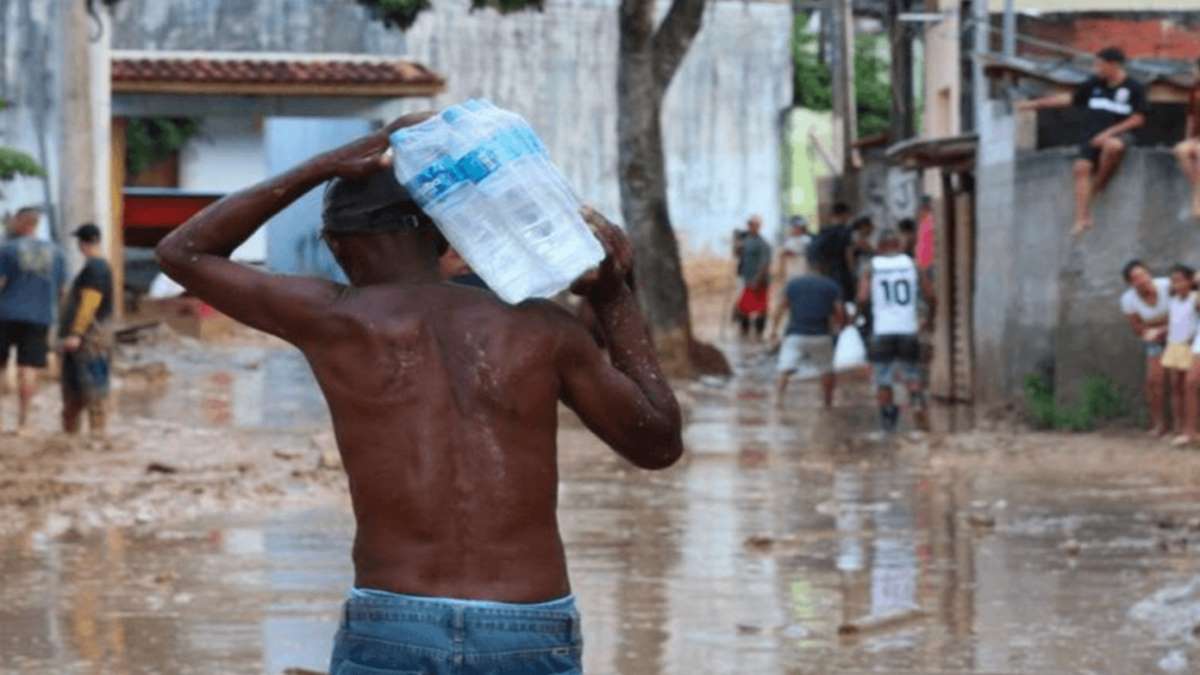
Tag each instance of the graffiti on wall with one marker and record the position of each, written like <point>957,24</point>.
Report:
<point>889,194</point>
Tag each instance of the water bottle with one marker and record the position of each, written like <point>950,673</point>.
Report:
<point>486,179</point>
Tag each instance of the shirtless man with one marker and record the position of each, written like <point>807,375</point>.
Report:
<point>444,402</point>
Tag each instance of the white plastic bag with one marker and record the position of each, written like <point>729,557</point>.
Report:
<point>851,352</point>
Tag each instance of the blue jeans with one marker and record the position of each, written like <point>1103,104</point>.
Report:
<point>390,634</point>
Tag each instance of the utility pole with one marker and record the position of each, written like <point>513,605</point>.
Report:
<point>1010,28</point>
<point>842,69</point>
<point>900,39</point>
<point>979,48</point>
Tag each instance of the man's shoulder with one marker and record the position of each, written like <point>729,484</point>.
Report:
<point>813,281</point>
<point>98,266</point>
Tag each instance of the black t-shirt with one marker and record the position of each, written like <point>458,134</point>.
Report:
<point>97,275</point>
<point>1108,106</point>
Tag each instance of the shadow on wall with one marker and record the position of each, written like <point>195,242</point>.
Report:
<point>1043,297</point>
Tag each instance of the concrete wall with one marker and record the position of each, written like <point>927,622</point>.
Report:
<point>558,68</point>
<point>31,86</point>
<point>1046,300</point>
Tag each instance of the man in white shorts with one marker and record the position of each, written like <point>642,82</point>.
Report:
<point>1145,305</point>
<point>891,285</point>
<point>813,305</point>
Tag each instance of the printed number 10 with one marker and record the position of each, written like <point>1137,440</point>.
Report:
<point>898,292</point>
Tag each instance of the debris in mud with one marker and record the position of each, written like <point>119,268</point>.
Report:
<point>748,629</point>
<point>1071,547</point>
<point>983,521</point>
<point>760,543</point>
<point>159,467</point>
<point>880,622</point>
<point>150,373</point>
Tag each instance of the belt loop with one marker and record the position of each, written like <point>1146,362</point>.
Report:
<point>459,624</point>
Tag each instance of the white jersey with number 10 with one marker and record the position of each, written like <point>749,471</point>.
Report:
<point>894,293</point>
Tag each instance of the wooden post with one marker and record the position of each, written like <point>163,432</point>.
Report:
<point>964,295</point>
<point>901,72</point>
<point>116,235</point>
<point>941,372</point>
<point>842,69</point>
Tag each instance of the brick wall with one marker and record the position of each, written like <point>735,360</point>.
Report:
<point>1156,36</point>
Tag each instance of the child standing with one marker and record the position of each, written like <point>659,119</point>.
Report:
<point>1181,331</point>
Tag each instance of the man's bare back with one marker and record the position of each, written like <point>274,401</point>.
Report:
<point>446,416</point>
<point>444,399</point>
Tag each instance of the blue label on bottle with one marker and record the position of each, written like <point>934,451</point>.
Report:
<point>434,182</point>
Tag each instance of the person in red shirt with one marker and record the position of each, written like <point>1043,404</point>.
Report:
<point>1188,150</point>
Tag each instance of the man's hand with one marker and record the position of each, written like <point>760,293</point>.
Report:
<point>1099,139</point>
<point>605,282</point>
<point>365,156</point>
<point>72,343</point>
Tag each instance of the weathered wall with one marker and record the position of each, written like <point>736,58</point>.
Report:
<point>1044,299</point>
<point>558,68</point>
<point>31,86</point>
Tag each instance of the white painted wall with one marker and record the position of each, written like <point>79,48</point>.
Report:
<point>227,155</point>
<point>721,120</point>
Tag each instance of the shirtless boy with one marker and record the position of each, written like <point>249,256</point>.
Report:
<point>444,402</point>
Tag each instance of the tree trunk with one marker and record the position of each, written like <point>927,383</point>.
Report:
<point>648,60</point>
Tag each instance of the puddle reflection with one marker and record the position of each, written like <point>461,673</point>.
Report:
<point>780,527</point>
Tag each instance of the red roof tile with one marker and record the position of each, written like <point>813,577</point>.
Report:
<point>206,73</point>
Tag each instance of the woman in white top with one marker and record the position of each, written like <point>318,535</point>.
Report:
<point>1146,306</point>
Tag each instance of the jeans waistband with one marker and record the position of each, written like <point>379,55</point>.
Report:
<point>383,614</point>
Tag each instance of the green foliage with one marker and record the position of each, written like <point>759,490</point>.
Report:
<point>872,84</point>
<point>149,140</point>
<point>403,14</point>
<point>1100,402</point>
<point>814,83</point>
<point>15,163</point>
<point>872,78</point>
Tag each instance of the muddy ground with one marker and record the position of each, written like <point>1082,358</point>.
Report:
<point>210,534</point>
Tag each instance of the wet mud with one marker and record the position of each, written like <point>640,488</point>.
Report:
<point>211,534</point>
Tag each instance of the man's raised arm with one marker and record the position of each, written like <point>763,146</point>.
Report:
<point>629,404</point>
<point>1045,102</point>
<point>197,253</point>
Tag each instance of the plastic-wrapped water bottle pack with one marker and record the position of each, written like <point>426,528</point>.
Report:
<point>486,179</point>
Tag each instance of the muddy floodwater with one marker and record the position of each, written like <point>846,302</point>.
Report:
<point>789,541</point>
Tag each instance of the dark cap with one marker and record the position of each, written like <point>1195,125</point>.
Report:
<point>87,233</point>
<point>1111,54</point>
<point>376,203</point>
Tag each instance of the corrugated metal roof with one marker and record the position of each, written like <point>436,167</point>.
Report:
<point>1177,74</point>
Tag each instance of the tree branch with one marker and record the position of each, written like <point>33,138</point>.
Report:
<point>674,37</point>
<point>637,24</point>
